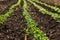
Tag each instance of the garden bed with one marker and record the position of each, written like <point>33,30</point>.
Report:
<point>45,22</point>
<point>13,27</point>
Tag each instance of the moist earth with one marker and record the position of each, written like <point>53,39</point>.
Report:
<point>13,27</point>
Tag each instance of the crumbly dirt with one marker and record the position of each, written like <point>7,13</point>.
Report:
<point>4,6</point>
<point>13,27</point>
<point>45,22</point>
<point>54,2</point>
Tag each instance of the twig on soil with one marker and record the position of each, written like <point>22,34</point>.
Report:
<point>25,38</point>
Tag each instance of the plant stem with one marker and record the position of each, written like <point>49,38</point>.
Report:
<point>31,26</point>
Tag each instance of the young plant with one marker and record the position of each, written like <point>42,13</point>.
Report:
<point>8,14</point>
<point>31,26</point>
<point>44,11</point>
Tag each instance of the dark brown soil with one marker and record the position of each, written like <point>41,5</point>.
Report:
<point>13,27</point>
<point>45,23</point>
<point>47,8</point>
<point>5,5</point>
<point>54,2</point>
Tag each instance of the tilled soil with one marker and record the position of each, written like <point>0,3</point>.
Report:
<point>45,23</point>
<point>54,2</point>
<point>47,8</point>
<point>4,6</point>
<point>13,27</point>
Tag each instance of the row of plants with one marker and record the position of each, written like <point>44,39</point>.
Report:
<point>9,12</point>
<point>55,8</point>
<point>31,25</point>
<point>44,11</point>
